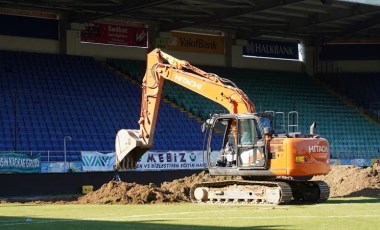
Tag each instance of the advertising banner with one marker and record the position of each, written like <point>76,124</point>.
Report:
<point>150,161</point>
<point>357,162</point>
<point>335,162</point>
<point>271,49</point>
<point>171,160</point>
<point>61,167</point>
<point>190,42</point>
<point>20,163</point>
<point>115,34</point>
<point>96,161</point>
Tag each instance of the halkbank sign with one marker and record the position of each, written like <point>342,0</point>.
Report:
<point>271,49</point>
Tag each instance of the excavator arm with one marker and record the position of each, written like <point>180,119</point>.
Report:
<point>130,144</point>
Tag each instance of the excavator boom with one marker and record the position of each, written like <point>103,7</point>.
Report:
<point>130,144</point>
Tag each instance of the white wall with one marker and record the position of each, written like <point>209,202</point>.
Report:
<point>110,51</point>
<point>75,47</point>
<point>73,42</point>
<point>29,44</point>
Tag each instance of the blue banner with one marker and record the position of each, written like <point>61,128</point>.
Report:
<point>271,49</point>
<point>61,167</point>
<point>357,162</point>
<point>96,161</point>
<point>20,163</point>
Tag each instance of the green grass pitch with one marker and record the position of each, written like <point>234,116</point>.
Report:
<point>337,213</point>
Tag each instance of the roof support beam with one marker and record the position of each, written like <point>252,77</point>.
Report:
<point>224,13</point>
<point>316,19</point>
<point>129,7</point>
<point>362,26</point>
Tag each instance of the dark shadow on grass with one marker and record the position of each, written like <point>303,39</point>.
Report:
<point>354,200</point>
<point>366,195</point>
<point>40,199</point>
<point>42,223</point>
<point>366,192</point>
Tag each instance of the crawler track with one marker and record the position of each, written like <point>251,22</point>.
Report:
<point>308,191</point>
<point>275,192</point>
<point>242,192</point>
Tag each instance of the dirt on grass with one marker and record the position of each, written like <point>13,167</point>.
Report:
<point>344,181</point>
<point>117,192</point>
<point>353,181</point>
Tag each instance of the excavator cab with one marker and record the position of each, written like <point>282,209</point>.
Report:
<point>238,142</point>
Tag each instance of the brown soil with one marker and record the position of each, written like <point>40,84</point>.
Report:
<point>344,181</point>
<point>132,193</point>
<point>352,181</point>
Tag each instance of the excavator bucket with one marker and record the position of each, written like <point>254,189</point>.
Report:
<point>129,148</point>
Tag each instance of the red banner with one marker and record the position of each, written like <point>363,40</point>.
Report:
<point>115,35</point>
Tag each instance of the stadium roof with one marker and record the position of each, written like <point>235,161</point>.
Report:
<point>310,20</point>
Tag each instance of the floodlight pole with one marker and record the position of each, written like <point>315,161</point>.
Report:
<point>64,145</point>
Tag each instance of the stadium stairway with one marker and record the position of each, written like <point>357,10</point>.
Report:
<point>360,88</point>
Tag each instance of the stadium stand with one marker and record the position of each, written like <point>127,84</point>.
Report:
<point>351,134</point>
<point>361,88</point>
<point>45,97</point>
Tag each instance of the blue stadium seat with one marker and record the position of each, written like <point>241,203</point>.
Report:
<point>79,97</point>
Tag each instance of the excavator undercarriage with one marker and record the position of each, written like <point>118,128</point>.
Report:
<point>276,192</point>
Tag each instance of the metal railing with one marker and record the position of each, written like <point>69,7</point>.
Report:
<point>62,156</point>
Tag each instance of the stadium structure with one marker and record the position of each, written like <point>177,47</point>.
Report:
<point>71,72</point>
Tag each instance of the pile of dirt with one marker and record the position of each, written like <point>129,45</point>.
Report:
<point>126,193</point>
<point>353,181</point>
<point>116,192</point>
<point>344,181</point>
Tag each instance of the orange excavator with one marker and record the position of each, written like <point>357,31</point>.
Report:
<point>275,167</point>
